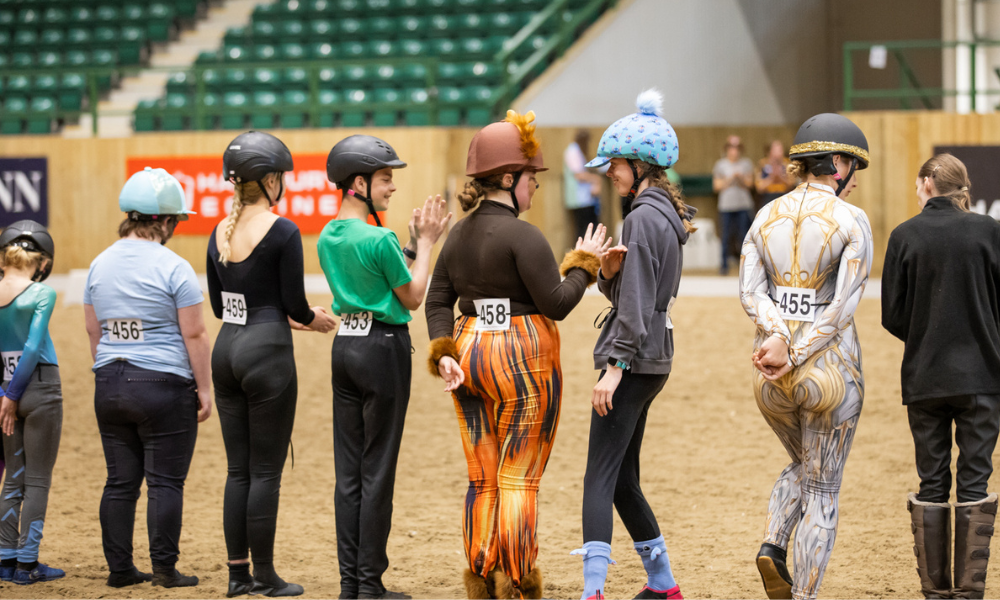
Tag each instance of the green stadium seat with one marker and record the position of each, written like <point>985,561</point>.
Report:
<point>103,58</point>
<point>106,13</point>
<point>379,27</point>
<point>291,29</point>
<point>4,39</point>
<point>385,75</point>
<point>25,38</point>
<point>180,82</point>
<point>265,104</point>
<point>46,84</point>
<point>210,101</point>
<point>444,48</point>
<point>353,50</point>
<point>292,51</point>
<point>132,12</point>
<point>503,23</point>
<point>49,60</point>
<point>264,52</point>
<point>7,18</point>
<point>349,29</point>
<point>19,84</point>
<point>52,37</point>
<point>265,78</point>
<point>22,60</point>
<point>186,9</point>
<point>145,115</point>
<point>55,16</point>
<point>234,100</point>
<point>450,115</point>
<point>41,114</point>
<point>407,7</point>
<point>105,36</point>
<point>416,115</point>
<point>72,87</point>
<point>78,36</point>
<point>172,116</point>
<point>378,6</point>
<point>80,15</point>
<point>159,17</point>
<point>321,29</point>
<point>76,58</point>
<point>348,7</point>
<point>497,5</point>
<point>472,23</point>
<point>356,75</point>
<point>473,47</point>
<point>293,114</point>
<point>355,117</point>
<point>212,79</point>
<point>468,6</point>
<point>328,98</point>
<point>160,10</point>
<point>329,77</point>
<point>412,26</point>
<point>479,116</point>
<point>131,44</point>
<point>234,79</point>
<point>412,74</point>
<point>439,6</point>
<point>383,49</point>
<point>413,48</point>
<point>14,107</point>
<point>235,53</point>
<point>323,51</point>
<point>319,6</point>
<point>234,36</point>
<point>263,31</point>
<point>207,57</point>
<point>29,16</point>
<point>386,117</point>
<point>295,78</point>
<point>442,26</point>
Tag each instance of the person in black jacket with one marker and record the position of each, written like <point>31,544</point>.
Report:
<point>941,296</point>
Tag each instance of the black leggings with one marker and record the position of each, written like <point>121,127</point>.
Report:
<point>253,369</point>
<point>612,477</point>
<point>149,425</point>
<point>371,389</point>
<point>977,422</point>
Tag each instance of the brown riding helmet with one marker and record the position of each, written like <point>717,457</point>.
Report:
<point>509,145</point>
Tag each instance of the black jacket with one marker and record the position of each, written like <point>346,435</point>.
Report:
<point>941,296</point>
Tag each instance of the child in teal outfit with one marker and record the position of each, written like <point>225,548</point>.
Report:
<point>31,407</point>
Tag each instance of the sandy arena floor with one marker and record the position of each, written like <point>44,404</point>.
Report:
<point>709,464</point>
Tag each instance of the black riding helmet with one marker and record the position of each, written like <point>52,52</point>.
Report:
<point>254,154</point>
<point>361,155</point>
<point>823,136</point>
<point>33,237</point>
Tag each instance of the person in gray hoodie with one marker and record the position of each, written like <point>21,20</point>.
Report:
<point>635,350</point>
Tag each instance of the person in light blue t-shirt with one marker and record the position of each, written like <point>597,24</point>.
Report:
<point>142,306</point>
<point>31,407</point>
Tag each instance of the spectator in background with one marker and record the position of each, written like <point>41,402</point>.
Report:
<point>732,178</point>
<point>772,178</point>
<point>581,188</point>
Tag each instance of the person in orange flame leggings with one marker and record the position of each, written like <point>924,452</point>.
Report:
<point>500,359</point>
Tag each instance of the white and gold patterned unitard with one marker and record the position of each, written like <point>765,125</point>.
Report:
<point>809,238</point>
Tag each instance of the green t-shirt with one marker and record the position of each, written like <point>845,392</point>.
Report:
<point>363,264</point>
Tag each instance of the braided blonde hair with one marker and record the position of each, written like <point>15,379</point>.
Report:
<point>248,192</point>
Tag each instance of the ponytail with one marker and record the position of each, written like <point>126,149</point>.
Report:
<point>657,177</point>
<point>951,179</point>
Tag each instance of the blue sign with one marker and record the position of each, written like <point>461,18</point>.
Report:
<point>24,190</point>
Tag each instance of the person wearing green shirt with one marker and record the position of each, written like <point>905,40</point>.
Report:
<point>375,285</point>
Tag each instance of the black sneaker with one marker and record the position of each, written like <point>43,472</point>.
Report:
<point>287,589</point>
<point>239,588</point>
<point>773,572</point>
<point>172,579</point>
<point>387,595</point>
<point>126,578</point>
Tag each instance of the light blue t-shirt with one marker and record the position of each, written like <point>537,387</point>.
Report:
<point>137,280</point>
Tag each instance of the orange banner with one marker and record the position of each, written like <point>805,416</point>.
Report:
<point>310,200</point>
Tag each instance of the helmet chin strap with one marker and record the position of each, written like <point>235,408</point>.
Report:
<point>367,199</point>
<point>843,182</point>
<point>513,194</point>
<point>636,182</point>
<point>281,190</point>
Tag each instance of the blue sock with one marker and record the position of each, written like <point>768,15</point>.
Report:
<point>596,557</point>
<point>657,564</point>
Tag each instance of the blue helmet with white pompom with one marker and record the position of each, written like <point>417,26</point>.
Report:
<point>644,135</point>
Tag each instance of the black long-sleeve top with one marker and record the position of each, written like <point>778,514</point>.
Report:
<point>941,296</point>
<point>271,277</point>
<point>493,254</point>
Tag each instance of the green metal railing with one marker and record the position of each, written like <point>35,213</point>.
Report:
<point>513,76</point>
<point>910,88</point>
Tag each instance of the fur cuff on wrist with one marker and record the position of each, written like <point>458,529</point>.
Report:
<point>441,347</point>
<point>578,259</point>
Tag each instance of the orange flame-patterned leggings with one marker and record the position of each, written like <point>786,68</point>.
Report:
<point>508,412</point>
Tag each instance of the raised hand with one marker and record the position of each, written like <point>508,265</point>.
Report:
<point>593,240</point>
<point>429,223</point>
<point>611,260</point>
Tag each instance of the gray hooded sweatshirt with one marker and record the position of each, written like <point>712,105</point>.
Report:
<point>638,330</point>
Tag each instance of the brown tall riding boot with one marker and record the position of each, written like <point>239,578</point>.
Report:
<point>973,530</point>
<point>931,525</point>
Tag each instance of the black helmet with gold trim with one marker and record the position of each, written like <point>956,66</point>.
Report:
<point>825,135</point>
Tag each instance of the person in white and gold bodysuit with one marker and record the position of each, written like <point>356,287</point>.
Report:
<point>803,269</point>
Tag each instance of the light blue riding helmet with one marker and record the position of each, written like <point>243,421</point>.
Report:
<point>644,135</point>
<point>153,192</point>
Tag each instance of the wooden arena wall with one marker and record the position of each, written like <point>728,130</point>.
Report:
<point>85,175</point>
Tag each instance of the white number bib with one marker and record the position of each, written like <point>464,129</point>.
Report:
<point>356,324</point>
<point>493,314</point>
<point>234,308</point>
<point>796,304</point>
<point>10,360</point>
<point>128,331</point>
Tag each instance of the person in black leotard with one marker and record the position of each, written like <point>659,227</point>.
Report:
<point>256,286</point>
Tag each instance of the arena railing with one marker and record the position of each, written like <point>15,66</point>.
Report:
<point>910,88</point>
<point>514,75</point>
